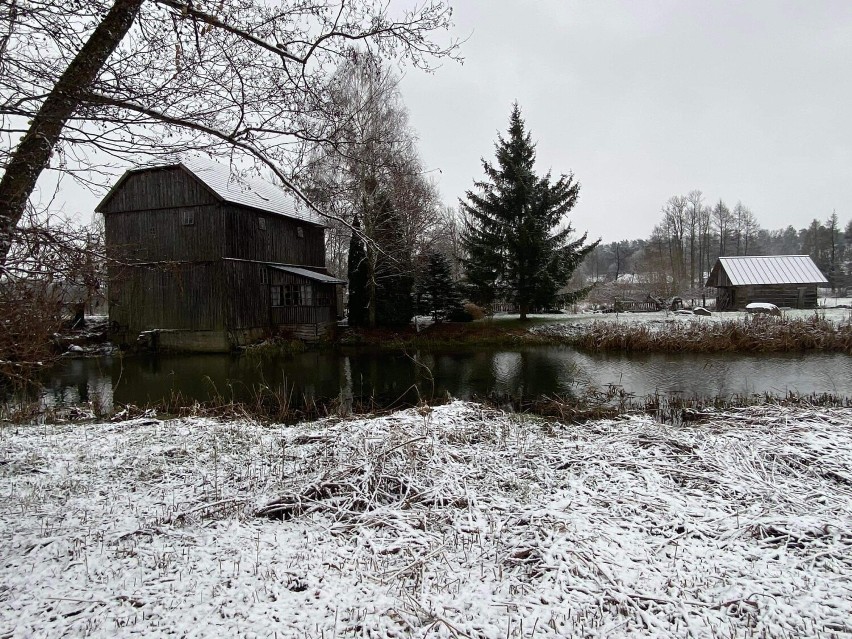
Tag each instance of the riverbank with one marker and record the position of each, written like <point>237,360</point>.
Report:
<point>695,334</point>
<point>449,521</point>
<point>826,330</point>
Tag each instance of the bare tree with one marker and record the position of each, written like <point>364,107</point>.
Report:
<point>129,78</point>
<point>53,269</point>
<point>674,225</point>
<point>722,223</point>
<point>374,164</point>
<point>695,206</point>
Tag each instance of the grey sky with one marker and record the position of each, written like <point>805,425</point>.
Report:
<point>644,99</point>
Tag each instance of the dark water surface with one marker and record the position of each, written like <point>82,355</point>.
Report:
<point>522,373</point>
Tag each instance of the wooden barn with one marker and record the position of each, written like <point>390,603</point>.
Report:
<point>205,261</point>
<point>784,280</point>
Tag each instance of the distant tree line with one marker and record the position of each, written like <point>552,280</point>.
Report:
<point>677,256</point>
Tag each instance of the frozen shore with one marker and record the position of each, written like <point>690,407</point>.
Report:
<point>447,521</point>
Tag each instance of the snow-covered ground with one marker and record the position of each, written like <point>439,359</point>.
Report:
<point>456,521</point>
<point>831,311</point>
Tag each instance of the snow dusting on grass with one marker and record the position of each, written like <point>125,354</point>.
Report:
<point>453,521</point>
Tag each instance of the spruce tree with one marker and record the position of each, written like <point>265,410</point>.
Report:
<point>358,274</point>
<point>441,294</point>
<point>515,250</point>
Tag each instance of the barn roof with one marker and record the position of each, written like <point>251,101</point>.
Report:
<point>227,186</point>
<point>767,269</point>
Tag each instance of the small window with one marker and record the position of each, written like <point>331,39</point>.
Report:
<point>275,298</point>
<point>292,295</point>
<point>261,223</point>
<point>264,275</point>
<point>188,218</point>
<point>300,232</point>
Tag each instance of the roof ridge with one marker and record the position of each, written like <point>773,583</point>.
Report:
<point>753,257</point>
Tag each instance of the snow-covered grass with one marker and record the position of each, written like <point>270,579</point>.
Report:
<point>453,521</point>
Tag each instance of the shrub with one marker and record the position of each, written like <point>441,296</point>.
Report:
<point>475,312</point>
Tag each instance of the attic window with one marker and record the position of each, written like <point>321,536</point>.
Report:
<point>261,223</point>
<point>187,218</point>
<point>300,232</point>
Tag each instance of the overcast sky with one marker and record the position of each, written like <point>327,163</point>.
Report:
<point>644,99</point>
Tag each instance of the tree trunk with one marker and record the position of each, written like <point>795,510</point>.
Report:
<point>33,153</point>
<point>524,308</point>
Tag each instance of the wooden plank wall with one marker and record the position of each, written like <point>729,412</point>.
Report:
<point>278,243</point>
<point>283,315</point>
<point>183,296</point>
<point>158,189</point>
<point>160,235</point>
<point>247,303</point>
<point>779,294</point>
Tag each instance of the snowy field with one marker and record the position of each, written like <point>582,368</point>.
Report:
<point>455,521</point>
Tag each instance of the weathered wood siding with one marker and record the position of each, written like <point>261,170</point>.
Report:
<point>791,295</point>
<point>161,188</point>
<point>166,216</point>
<point>278,242</point>
<point>783,295</point>
<point>161,236</point>
<point>283,315</point>
<point>247,302</point>
<point>181,296</point>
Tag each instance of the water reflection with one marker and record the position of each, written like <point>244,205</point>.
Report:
<point>525,373</point>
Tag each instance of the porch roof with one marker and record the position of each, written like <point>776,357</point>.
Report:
<point>311,275</point>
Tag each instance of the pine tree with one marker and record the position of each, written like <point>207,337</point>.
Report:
<point>513,250</point>
<point>358,274</point>
<point>441,295</point>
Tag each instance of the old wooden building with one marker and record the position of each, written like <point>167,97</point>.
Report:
<point>784,280</point>
<point>207,261</point>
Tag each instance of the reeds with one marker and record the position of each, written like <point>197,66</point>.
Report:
<point>759,334</point>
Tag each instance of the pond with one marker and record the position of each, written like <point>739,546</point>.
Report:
<point>397,378</point>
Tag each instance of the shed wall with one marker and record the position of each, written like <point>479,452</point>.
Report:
<point>279,242</point>
<point>790,296</point>
<point>177,297</point>
<point>158,188</point>
<point>247,303</point>
<point>160,235</point>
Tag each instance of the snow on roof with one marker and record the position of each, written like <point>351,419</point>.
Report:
<point>768,269</point>
<point>228,186</point>
<point>252,192</point>
<point>311,275</point>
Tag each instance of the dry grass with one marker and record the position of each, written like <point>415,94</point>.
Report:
<point>755,334</point>
<point>457,521</point>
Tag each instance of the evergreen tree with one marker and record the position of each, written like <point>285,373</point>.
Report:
<point>514,248</point>
<point>441,295</point>
<point>358,274</point>
<point>394,281</point>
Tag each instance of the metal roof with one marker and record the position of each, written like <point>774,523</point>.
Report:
<point>250,192</point>
<point>230,187</point>
<point>311,275</point>
<point>768,269</point>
